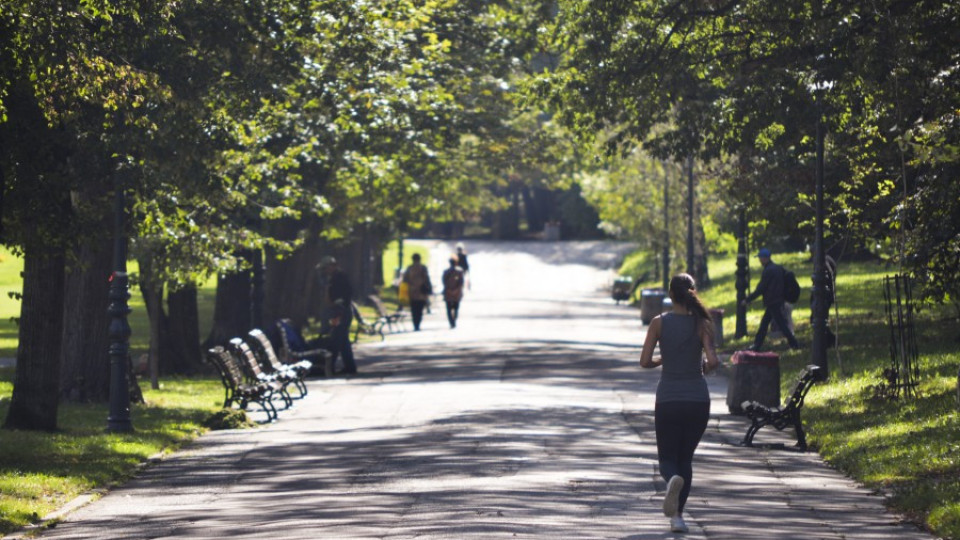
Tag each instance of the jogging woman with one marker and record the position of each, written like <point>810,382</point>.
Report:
<point>683,402</point>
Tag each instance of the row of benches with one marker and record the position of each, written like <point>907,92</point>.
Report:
<point>252,372</point>
<point>257,374</point>
<point>385,319</point>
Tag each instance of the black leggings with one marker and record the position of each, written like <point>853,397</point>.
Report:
<point>453,310</point>
<point>416,311</point>
<point>679,425</point>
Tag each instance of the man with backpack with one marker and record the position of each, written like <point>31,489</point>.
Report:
<point>338,297</point>
<point>777,286</point>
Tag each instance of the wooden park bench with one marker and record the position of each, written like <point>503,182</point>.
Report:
<point>385,318</point>
<point>238,391</point>
<point>294,348</point>
<point>784,416</point>
<point>277,381</point>
<point>267,355</point>
<point>370,328</point>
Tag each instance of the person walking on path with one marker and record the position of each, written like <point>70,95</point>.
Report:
<point>338,295</point>
<point>462,262</point>
<point>417,279</point>
<point>771,287</point>
<point>453,290</point>
<point>682,403</point>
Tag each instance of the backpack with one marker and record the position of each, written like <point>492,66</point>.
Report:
<point>791,288</point>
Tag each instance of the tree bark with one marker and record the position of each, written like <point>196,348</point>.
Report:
<point>256,288</point>
<point>291,283</point>
<point>85,364</point>
<point>36,390</point>
<point>531,209</point>
<point>183,335</point>
<point>507,221</point>
<point>231,312</point>
<point>153,300</point>
<point>701,271</point>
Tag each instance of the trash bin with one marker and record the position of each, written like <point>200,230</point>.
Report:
<point>622,287</point>
<point>754,376</point>
<point>717,316</point>
<point>651,304</point>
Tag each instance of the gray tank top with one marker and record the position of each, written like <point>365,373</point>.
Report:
<point>681,351</point>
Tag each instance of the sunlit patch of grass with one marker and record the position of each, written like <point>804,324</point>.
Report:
<point>12,281</point>
<point>908,448</point>
<point>39,471</point>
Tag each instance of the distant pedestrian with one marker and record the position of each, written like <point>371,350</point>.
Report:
<point>338,297</point>
<point>453,290</point>
<point>462,262</point>
<point>417,279</point>
<point>682,406</point>
<point>771,287</point>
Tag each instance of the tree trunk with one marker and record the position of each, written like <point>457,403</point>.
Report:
<point>183,335</point>
<point>378,276</point>
<point>291,284</point>
<point>546,201</point>
<point>365,271</point>
<point>3,189</point>
<point>534,217</point>
<point>85,364</point>
<point>231,312</point>
<point>351,257</point>
<point>701,273</point>
<point>256,288</point>
<point>507,221</point>
<point>36,389</point>
<point>153,300</point>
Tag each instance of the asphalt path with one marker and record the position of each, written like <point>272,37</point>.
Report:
<point>531,419</point>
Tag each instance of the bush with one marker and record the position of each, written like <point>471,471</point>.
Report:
<point>228,419</point>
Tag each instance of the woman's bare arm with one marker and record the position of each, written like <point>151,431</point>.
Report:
<point>653,335</point>
<point>711,352</point>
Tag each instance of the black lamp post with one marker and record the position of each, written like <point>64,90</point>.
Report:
<point>399,271</point>
<point>119,419</point>
<point>818,305</point>
<point>690,262</point>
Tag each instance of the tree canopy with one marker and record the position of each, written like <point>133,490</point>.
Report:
<point>239,126</point>
<point>747,81</point>
<point>244,125</point>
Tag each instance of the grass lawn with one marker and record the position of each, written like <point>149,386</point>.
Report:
<point>40,472</point>
<point>906,449</point>
<point>12,282</point>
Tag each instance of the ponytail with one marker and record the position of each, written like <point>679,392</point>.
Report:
<point>683,291</point>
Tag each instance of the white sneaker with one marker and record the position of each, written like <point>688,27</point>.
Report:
<point>671,501</point>
<point>677,524</point>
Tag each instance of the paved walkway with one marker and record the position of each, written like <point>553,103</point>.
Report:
<point>531,420</point>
